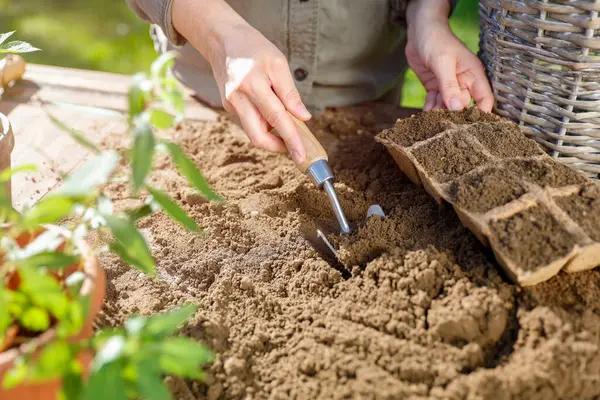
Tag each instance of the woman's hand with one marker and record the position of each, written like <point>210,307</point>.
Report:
<point>450,72</point>
<point>254,77</point>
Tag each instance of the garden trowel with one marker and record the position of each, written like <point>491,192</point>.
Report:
<point>316,167</point>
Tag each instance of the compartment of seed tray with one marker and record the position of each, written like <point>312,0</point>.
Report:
<point>532,244</point>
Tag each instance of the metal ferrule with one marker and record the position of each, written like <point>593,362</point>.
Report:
<point>319,172</point>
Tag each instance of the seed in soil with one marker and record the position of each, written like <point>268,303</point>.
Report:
<point>484,190</point>
<point>449,156</point>
<point>532,238</point>
<point>584,208</point>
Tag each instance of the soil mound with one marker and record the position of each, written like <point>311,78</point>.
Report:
<point>421,310</point>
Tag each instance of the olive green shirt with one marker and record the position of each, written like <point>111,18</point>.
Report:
<point>340,52</point>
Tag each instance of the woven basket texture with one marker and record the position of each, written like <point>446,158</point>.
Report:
<point>543,59</point>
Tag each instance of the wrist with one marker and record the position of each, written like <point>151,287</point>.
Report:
<point>423,13</point>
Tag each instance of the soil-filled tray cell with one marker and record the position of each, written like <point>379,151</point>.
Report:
<point>584,208</point>
<point>484,190</point>
<point>505,140</point>
<point>532,241</point>
<point>546,172</point>
<point>449,156</point>
<point>428,124</point>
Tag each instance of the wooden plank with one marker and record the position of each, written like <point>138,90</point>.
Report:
<point>39,142</point>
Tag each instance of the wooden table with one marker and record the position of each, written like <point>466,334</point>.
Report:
<point>39,142</point>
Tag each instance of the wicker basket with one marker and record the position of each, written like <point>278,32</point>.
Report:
<point>543,59</point>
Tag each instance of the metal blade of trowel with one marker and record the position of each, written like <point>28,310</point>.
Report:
<point>374,209</point>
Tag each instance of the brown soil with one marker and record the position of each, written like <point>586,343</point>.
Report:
<point>584,208</point>
<point>533,238</point>
<point>422,312</point>
<point>505,140</point>
<point>449,156</point>
<point>487,189</point>
<point>546,173</point>
<point>419,127</point>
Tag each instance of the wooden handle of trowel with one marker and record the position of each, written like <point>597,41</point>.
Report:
<point>314,150</point>
<point>12,68</point>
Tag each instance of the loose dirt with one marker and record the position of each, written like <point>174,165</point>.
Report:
<point>416,308</point>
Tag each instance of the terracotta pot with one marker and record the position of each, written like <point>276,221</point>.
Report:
<point>95,286</point>
<point>7,143</point>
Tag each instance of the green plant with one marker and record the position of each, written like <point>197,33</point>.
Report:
<point>15,46</point>
<point>41,273</point>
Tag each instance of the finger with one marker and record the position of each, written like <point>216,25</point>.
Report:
<point>465,97</point>
<point>481,91</point>
<point>276,115</point>
<point>430,100</point>
<point>439,102</point>
<point>444,68</point>
<point>255,125</point>
<point>285,88</point>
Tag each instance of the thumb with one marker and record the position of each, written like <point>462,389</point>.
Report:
<point>444,68</point>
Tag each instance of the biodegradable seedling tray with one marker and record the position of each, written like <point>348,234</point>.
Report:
<point>536,214</point>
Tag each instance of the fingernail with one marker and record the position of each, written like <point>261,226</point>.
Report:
<point>298,158</point>
<point>303,111</point>
<point>455,104</point>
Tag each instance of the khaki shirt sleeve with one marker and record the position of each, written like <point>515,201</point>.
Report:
<point>158,12</point>
<point>398,10</point>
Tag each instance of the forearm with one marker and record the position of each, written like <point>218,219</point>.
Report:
<point>424,15</point>
<point>204,22</point>
<point>424,11</point>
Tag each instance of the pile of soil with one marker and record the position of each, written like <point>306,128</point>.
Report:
<point>417,310</point>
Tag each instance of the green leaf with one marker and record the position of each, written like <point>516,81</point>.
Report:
<point>161,65</point>
<point>4,36</point>
<point>113,349</point>
<point>73,387</point>
<point>50,210</point>
<point>161,119</point>
<point>44,291</point>
<point>15,375</point>
<point>17,47</point>
<point>55,359</point>
<point>50,260</point>
<point>181,356</point>
<point>95,172</point>
<point>139,94</point>
<point>5,318</point>
<point>149,383</point>
<point>107,382</point>
<point>8,173</point>
<point>187,168</point>
<point>132,243</point>
<point>174,99</point>
<point>164,324</point>
<point>35,319</point>
<point>172,209</point>
<point>77,135</point>
<point>140,212</point>
<point>143,150</point>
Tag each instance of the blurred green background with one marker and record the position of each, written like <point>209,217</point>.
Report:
<point>106,35</point>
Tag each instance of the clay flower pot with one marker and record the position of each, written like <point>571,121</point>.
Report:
<point>93,286</point>
<point>7,143</point>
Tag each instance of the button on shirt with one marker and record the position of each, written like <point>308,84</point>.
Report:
<point>340,52</point>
